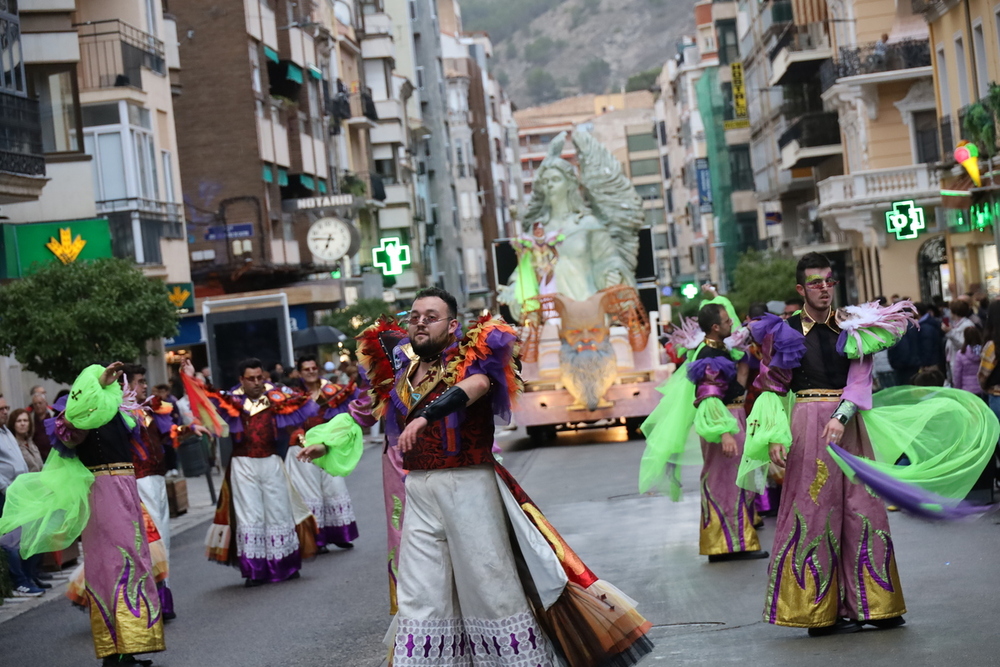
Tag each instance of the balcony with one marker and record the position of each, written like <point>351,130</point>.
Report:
<point>810,140</point>
<point>150,208</point>
<point>389,109</point>
<point>113,53</point>
<point>363,111</point>
<point>376,42</point>
<point>897,61</point>
<point>137,225</point>
<point>22,166</point>
<point>879,187</point>
<point>797,56</point>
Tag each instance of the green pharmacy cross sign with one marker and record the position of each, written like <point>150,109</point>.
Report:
<point>905,220</point>
<point>690,291</point>
<point>391,256</point>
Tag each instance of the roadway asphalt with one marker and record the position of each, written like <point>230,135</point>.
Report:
<point>336,614</point>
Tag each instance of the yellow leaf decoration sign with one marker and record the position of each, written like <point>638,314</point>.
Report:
<point>178,296</point>
<point>67,249</point>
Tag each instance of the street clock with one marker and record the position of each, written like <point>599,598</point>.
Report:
<point>330,239</point>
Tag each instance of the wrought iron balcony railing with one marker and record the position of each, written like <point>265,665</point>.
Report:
<point>814,129</point>
<point>20,136</point>
<point>876,57</point>
<point>113,53</point>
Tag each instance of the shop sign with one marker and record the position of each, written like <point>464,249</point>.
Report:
<point>67,241</point>
<point>240,230</point>
<point>181,295</point>
<point>704,185</point>
<point>740,119</point>
<point>905,219</point>
<point>391,256</point>
<point>310,203</point>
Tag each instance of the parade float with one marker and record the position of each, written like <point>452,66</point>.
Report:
<point>590,355</point>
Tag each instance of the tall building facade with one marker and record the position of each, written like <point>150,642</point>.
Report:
<point>90,145</point>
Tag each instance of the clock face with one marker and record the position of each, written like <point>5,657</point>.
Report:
<point>329,239</point>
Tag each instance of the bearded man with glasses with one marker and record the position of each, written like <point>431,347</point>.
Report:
<point>467,533</point>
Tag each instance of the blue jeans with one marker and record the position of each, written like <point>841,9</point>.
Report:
<point>20,570</point>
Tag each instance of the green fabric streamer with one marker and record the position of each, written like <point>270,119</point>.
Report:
<point>767,423</point>
<point>344,444</point>
<point>712,418</point>
<point>670,439</point>
<point>51,507</point>
<point>90,405</point>
<point>527,284</point>
<point>947,434</point>
<point>873,339</point>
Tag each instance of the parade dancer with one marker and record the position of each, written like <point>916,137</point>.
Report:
<point>833,566</point>
<point>461,599</point>
<point>324,494</point>
<point>705,396</point>
<point>93,474</point>
<point>261,524</point>
<point>727,526</point>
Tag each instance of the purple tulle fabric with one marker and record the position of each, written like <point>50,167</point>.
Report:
<point>164,422</point>
<point>909,497</point>
<point>724,369</point>
<point>787,345</point>
<point>859,382</point>
<point>494,367</point>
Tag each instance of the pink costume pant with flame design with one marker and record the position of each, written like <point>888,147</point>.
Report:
<point>833,555</point>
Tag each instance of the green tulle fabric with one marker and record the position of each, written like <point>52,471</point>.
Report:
<point>90,405</point>
<point>947,434</point>
<point>344,443</point>
<point>873,339</point>
<point>51,507</point>
<point>712,418</point>
<point>767,423</point>
<point>670,439</point>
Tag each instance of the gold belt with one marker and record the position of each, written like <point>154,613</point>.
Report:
<point>816,395</point>
<point>112,469</point>
<point>737,403</point>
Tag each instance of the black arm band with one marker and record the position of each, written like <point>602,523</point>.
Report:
<point>450,401</point>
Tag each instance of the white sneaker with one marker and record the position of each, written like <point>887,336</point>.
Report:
<point>25,592</point>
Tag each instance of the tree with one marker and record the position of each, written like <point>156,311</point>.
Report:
<point>65,317</point>
<point>761,277</point>
<point>502,78</point>
<point>540,51</point>
<point>356,318</point>
<point>594,76</point>
<point>643,80</point>
<point>541,86</point>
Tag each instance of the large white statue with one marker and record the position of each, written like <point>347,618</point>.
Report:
<point>580,234</point>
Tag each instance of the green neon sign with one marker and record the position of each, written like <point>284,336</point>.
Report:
<point>983,215</point>
<point>689,290</point>
<point>391,256</point>
<point>905,220</point>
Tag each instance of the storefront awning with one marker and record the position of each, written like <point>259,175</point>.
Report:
<point>294,73</point>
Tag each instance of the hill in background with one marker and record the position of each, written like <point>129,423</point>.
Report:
<point>547,49</point>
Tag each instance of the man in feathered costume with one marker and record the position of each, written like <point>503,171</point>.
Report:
<point>705,397</point>
<point>458,587</point>
<point>261,524</point>
<point>325,494</point>
<point>833,567</point>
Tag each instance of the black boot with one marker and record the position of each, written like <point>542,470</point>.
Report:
<point>886,623</point>
<point>125,660</point>
<point>738,555</point>
<point>843,626</point>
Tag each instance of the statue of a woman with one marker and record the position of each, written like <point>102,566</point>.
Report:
<point>599,233</point>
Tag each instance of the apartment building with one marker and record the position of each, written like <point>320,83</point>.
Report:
<point>90,144</point>
<point>960,254</point>
<point>683,155</point>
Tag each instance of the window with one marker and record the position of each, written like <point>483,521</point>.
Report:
<point>963,75</point>
<point>663,133</point>
<point>460,161</point>
<point>11,61</point>
<point>386,169</point>
<point>420,77</point>
<point>729,51</point>
<point>126,163</point>
<point>728,107</point>
<point>741,173</point>
<point>666,166</point>
<point>654,217</point>
<point>641,142</point>
<point>677,265</point>
<point>168,176</point>
<point>925,136</point>
<point>649,191</point>
<point>979,44</point>
<point>58,107</point>
<point>943,77</point>
<point>670,200</point>
<point>644,167</point>
<point>746,228</point>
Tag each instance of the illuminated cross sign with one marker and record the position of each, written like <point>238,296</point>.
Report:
<point>690,291</point>
<point>391,257</point>
<point>905,220</point>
